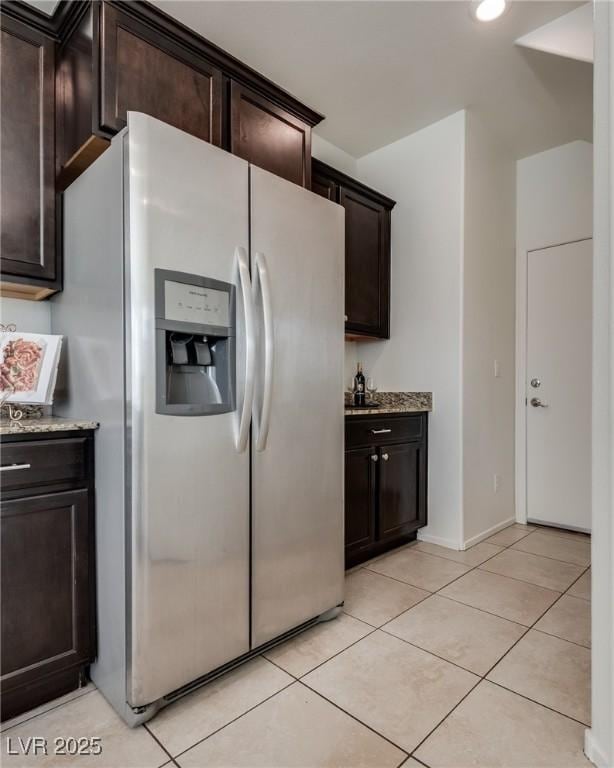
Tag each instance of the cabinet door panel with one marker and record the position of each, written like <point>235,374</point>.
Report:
<point>143,71</point>
<point>27,172</point>
<point>360,474</point>
<point>400,491</point>
<point>269,137</point>
<point>45,584</point>
<point>324,187</point>
<point>367,266</point>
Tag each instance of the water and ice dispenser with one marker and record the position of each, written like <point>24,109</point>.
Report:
<point>195,344</point>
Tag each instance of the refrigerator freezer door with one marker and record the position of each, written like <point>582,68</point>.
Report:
<point>188,491</point>
<point>297,476</point>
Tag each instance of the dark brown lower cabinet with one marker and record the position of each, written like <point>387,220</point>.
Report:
<point>47,552</point>
<point>385,483</point>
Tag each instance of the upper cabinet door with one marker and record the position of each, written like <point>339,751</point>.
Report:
<point>144,71</point>
<point>367,264</point>
<point>324,187</point>
<point>27,177</point>
<point>269,137</point>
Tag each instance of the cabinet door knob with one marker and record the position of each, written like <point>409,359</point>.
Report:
<point>380,431</point>
<point>374,457</point>
<point>385,456</point>
<point>345,317</point>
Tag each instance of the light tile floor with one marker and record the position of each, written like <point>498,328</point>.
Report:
<point>441,659</point>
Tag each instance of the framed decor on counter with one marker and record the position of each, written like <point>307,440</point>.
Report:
<point>28,367</point>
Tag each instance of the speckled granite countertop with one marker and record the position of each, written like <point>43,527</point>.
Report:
<point>392,402</point>
<point>48,424</point>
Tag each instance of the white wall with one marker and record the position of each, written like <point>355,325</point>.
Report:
<point>332,155</point>
<point>600,737</point>
<point>424,173</point>
<point>554,205</point>
<point>555,196</point>
<point>488,333</point>
<point>28,316</point>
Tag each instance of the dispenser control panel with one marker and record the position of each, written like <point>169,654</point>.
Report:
<point>196,304</point>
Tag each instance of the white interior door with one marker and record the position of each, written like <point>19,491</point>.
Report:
<point>558,386</point>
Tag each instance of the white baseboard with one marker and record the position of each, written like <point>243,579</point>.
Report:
<point>490,532</point>
<point>594,752</point>
<point>449,543</point>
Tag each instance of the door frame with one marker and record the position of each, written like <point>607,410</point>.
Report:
<point>522,330</point>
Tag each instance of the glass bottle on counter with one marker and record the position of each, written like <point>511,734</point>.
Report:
<point>359,386</point>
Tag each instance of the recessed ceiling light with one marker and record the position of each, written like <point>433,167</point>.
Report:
<point>488,10</point>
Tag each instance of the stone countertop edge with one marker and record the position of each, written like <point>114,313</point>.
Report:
<point>392,402</point>
<point>49,424</point>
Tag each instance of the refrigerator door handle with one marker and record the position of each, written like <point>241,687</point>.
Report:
<point>250,349</point>
<point>261,278</point>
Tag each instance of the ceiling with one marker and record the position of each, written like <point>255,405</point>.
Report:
<point>380,70</point>
<point>570,35</point>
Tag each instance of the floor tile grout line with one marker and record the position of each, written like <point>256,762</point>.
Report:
<point>558,637</point>
<point>529,628</point>
<point>392,618</point>
<point>354,717</point>
<point>547,557</point>
<point>524,581</point>
<point>539,703</point>
<point>459,562</point>
<point>483,610</point>
<point>275,664</point>
<point>158,742</point>
<point>584,572</point>
<point>443,719</point>
<point>51,709</point>
<point>392,578</point>
<point>334,656</point>
<point>417,759</point>
<point>432,653</point>
<point>485,676</point>
<point>294,681</point>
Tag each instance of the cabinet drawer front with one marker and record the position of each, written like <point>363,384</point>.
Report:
<point>43,462</point>
<point>376,431</point>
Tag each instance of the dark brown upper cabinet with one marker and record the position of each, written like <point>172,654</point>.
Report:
<point>130,56</point>
<point>268,136</point>
<point>367,251</point>
<point>113,62</point>
<point>146,71</point>
<point>27,176</point>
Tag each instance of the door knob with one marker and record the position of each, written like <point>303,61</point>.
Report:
<point>385,456</point>
<point>537,403</point>
<point>536,383</point>
<point>374,457</point>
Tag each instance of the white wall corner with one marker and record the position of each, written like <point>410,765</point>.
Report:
<point>593,751</point>
<point>600,739</point>
<point>329,153</point>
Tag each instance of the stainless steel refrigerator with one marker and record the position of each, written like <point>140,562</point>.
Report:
<point>203,315</point>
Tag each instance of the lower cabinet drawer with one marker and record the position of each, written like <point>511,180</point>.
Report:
<point>361,432</point>
<point>27,464</point>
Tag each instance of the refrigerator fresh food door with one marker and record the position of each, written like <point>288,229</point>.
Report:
<point>188,491</point>
<point>297,252</point>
